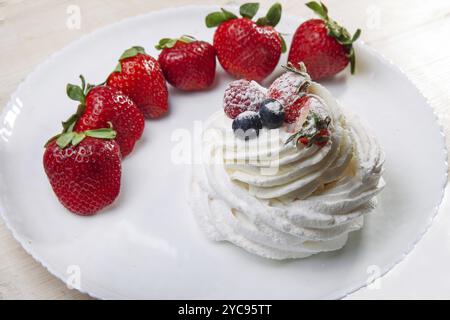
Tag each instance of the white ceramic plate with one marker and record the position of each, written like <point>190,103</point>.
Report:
<point>148,245</point>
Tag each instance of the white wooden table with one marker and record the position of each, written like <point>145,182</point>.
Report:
<point>411,33</point>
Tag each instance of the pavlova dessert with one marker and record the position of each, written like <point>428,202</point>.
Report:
<point>286,172</point>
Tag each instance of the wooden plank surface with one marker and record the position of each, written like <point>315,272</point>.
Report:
<point>411,33</point>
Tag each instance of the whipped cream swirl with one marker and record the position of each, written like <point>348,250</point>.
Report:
<point>281,201</point>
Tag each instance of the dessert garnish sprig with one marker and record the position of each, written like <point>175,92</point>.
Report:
<point>313,131</point>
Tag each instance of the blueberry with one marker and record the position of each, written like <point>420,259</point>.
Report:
<point>272,113</point>
<point>247,124</point>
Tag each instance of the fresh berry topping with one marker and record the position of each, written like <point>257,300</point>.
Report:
<point>271,113</point>
<point>292,111</point>
<point>247,125</point>
<point>242,95</point>
<point>187,64</point>
<point>324,46</point>
<point>314,130</point>
<point>84,169</point>
<point>101,105</point>
<point>303,140</point>
<point>322,137</point>
<point>247,49</point>
<point>287,87</point>
<point>140,77</point>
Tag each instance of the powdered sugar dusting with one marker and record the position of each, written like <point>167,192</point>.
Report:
<point>247,115</point>
<point>285,88</point>
<point>242,95</point>
<point>274,107</point>
<point>292,212</point>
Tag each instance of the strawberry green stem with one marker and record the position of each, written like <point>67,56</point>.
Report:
<point>272,17</point>
<point>248,11</point>
<point>311,129</point>
<point>132,52</point>
<point>73,138</point>
<point>166,43</point>
<point>129,53</point>
<point>77,93</point>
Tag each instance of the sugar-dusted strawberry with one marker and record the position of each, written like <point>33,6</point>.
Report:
<point>292,110</point>
<point>289,90</point>
<point>287,87</point>
<point>305,101</point>
<point>324,46</point>
<point>100,105</point>
<point>247,49</point>
<point>84,169</point>
<point>140,77</point>
<point>322,137</point>
<point>188,64</point>
<point>242,95</point>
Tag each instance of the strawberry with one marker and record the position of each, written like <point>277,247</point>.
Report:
<point>100,105</point>
<point>305,100</point>
<point>242,95</point>
<point>84,169</point>
<point>324,46</point>
<point>187,64</point>
<point>247,49</point>
<point>292,111</point>
<point>289,90</point>
<point>303,140</point>
<point>140,77</point>
<point>322,137</point>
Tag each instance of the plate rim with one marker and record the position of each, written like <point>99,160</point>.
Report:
<point>335,295</point>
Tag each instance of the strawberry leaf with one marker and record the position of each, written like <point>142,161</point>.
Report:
<point>51,139</point>
<point>65,139</point>
<point>319,8</point>
<point>249,10</point>
<point>118,67</point>
<point>132,52</point>
<point>75,92</point>
<point>262,21</point>
<point>283,44</point>
<point>273,16</point>
<point>356,35</point>
<point>103,133</point>
<point>77,138</point>
<point>352,59</point>
<point>70,123</point>
<point>166,43</point>
<point>83,83</point>
<point>74,138</point>
<point>187,38</point>
<point>214,19</point>
<point>292,137</point>
<point>228,15</point>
